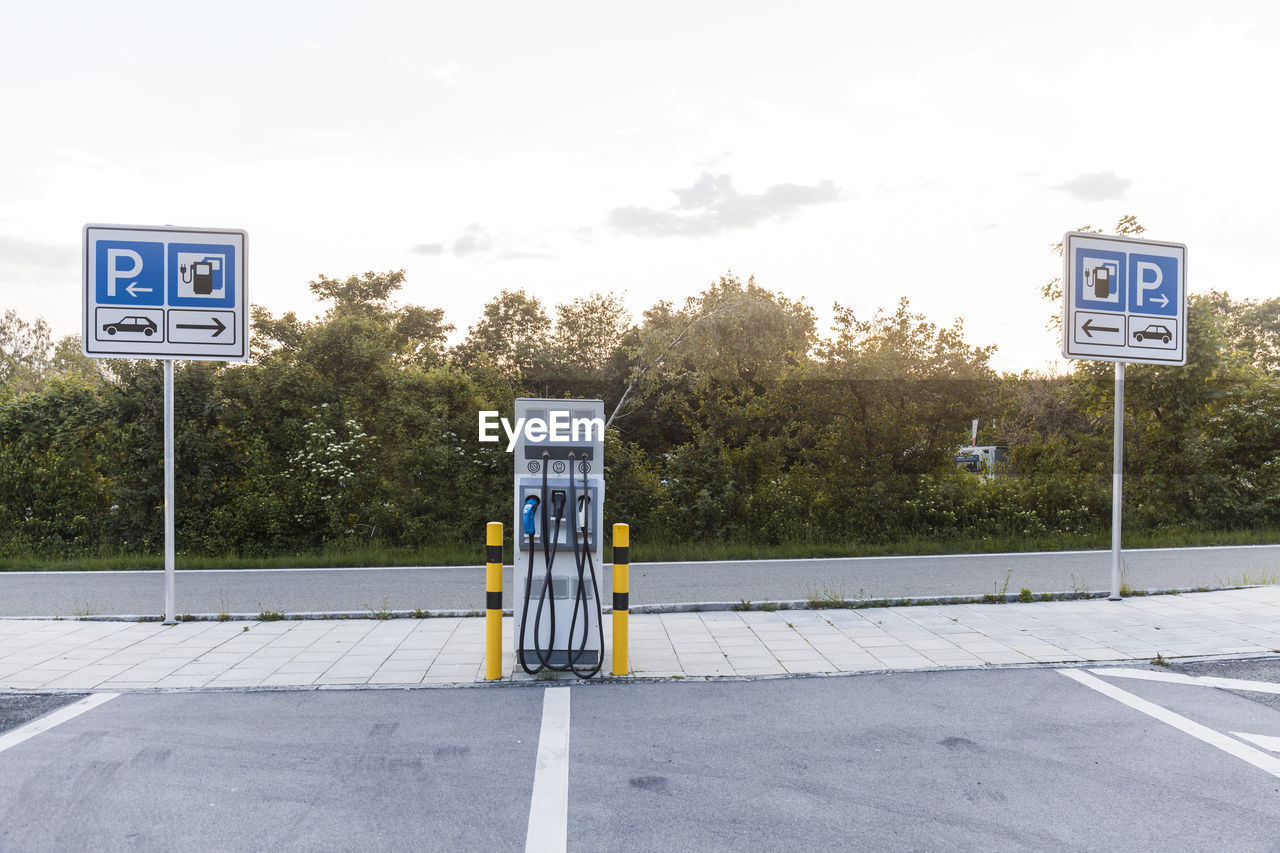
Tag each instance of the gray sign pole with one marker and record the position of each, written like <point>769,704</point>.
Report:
<point>166,293</point>
<point>1124,300</point>
<point>170,617</point>
<point>1117,482</point>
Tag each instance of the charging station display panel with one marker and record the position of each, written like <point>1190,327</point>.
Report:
<point>163,292</point>
<point>562,440</point>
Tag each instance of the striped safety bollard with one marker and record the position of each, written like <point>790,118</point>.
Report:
<point>493,602</point>
<point>621,596</point>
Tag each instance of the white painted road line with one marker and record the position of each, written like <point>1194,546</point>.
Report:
<point>54,718</point>
<point>1270,742</point>
<point>1191,680</point>
<point>1214,738</point>
<point>549,807</point>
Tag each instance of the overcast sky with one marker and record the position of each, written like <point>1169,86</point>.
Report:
<point>839,151</point>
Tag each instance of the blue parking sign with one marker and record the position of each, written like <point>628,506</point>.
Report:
<point>1153,284</point>
<point>1125,299</point>
<point>129,272</point>
<point>154,291</point>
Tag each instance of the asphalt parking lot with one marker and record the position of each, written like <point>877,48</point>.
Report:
<point>996,758</point>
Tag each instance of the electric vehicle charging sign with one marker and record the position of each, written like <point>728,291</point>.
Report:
<point>162,292</point>
<point>1124,300</point>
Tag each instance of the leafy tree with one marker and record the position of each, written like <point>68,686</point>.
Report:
<point>56,493</point>
<point>334,407</point>
<point>587,332</point>
<point>70,363</point>
<point>1250,330</point>
<point>368,293</point>
<point>888,406</point>
<point>697,367</point>
<point>24,351</point>
<point>513,336</point>
<point>732,420</point>
<point>744,333</point>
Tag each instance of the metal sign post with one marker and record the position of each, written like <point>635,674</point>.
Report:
<point>1117,481</point>
<point>165,293</point>
<point>170,597</point>
<point>1125,301</point>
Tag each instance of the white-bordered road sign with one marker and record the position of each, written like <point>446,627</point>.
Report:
<point>1124,299</point>
<point>164,292</point>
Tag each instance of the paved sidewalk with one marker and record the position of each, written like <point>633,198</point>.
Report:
<point>75,655</point>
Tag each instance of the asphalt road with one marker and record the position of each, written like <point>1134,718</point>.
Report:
<point>462,588</point>
<point>1003,759</point>
<point>18,709</point>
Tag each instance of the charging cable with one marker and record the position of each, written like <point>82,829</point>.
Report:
<point>535,510</point>
<point>583,562</point>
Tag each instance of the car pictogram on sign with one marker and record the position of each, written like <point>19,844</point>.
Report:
<point>145,325</point>
<point>1153,331</point>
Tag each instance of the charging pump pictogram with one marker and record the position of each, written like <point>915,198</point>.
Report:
<point>559,516</point>
<point>1101,279</point>
<point>204,276</point>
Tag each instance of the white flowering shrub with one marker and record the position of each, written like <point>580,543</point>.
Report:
<point>325,475</point>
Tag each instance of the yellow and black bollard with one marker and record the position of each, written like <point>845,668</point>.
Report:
<point>621,596</point>
<point>493,602</point>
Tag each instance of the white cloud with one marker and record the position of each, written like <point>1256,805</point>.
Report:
<point>477,243</point>
<point>474,240</point>
<point>18,252</point>
<point>447,73</point>
<point>711,206</point>
<point>1096,186</point>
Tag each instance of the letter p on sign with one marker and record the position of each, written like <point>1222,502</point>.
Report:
<point>1149,278</point>
<point>115,273</point>
<point>1154,285</point>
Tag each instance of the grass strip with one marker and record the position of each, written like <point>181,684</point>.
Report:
<point>374,554</point>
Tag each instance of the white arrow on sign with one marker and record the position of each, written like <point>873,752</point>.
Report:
<point>134,290</point>
<point>1270,742</point>
<point>1162,299</point>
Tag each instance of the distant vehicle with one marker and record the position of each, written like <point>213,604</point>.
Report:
<point>1153,331</point>
<point>131,324</point>
<point>989,462</point>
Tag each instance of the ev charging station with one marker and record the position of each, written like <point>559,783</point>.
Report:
<point>559,519</point>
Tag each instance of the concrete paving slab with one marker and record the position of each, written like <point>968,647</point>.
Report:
<point>73,655</point>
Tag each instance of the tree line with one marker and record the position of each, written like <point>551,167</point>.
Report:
<point>731,419</point>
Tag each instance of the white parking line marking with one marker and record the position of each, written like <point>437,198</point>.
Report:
<point>1229,745</point>
<point>53,718</point>
<point>1270,742</point>
<point>1192,680</point>
<point>549,807</point>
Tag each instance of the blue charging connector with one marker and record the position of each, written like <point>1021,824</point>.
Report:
<point>530,514</point>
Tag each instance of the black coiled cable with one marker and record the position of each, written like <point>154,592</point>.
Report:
<point>582,561</point>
